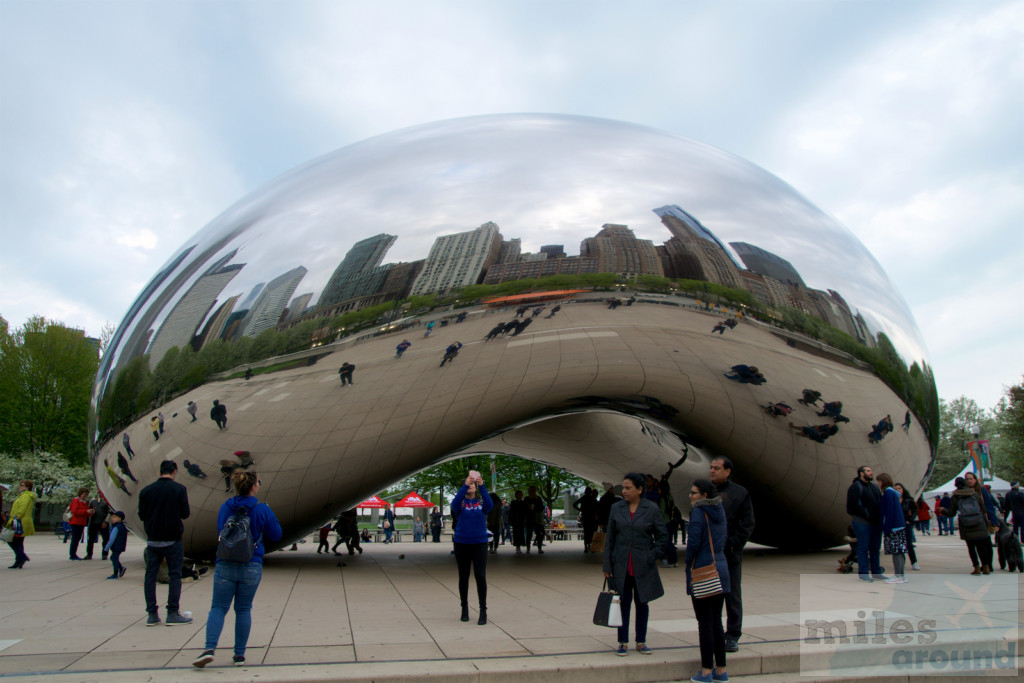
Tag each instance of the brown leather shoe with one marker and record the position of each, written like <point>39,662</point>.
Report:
<point>985,569</point>
<point>976,572</point>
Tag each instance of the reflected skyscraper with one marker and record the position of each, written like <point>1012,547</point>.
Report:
<point>181,324</point>
<point>459,260</point>
<point>696,253</point>
<point>765,262</point>
<point>266,312</point>
<point>618,250</point>
<point>363,257</point>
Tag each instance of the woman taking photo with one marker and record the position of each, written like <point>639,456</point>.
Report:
<point>471,505</point>
<point>705,545</point>
<point>21,522</point>
<point>635,539</point>
<point>238,581</point>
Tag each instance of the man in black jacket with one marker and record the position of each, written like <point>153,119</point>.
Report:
<point>162,506</point>
<point>864,505</point>
<point>739,517</point>
<point>1013,505</point>
<point>98,528</point>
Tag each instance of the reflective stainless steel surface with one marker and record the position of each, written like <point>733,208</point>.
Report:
<point>598,390</point>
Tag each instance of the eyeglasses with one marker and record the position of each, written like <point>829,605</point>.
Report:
<point>694,493</point>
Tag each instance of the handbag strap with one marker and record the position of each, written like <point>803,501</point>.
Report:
<point>711,541</point>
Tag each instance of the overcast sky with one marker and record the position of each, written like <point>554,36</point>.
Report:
<point>127,126</point>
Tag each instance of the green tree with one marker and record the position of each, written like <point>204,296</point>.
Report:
<point>958,420</point>
<point>48,371</point>
<point>1009,418</point>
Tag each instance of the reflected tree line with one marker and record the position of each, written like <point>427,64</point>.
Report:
<point>137,388</point>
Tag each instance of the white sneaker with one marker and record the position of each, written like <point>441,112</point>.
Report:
<point>894,579</point>
<point>916,567</point>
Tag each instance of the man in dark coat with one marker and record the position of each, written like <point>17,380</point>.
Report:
<point>98,526</point>
<point>739,517</point>
<point>162,506</point>
<point>1014,508</point>
<point>517,517</point>
<point>863,504</point>
<point>534,520</point>
<point>604,506</point>
<point>219,414</point>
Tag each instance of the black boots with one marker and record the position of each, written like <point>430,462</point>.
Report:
<point>465,613</point>
<point>483,616</point>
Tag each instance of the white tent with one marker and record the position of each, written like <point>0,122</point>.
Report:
<point>996,484</point>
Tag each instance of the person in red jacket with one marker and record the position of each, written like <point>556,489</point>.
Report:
<point>80,513</point>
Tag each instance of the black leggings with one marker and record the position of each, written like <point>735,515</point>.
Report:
<point>475,554</point>
<point>980,549</point>
<point>709,629</point>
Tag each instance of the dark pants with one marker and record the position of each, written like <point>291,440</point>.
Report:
<point>518,535</point>
<point>869,544</point>
<point>18,546</point>
<point>911,539</point>
<point>980,550</point>
<point>97,532</point>
<point>324,546</point>
<point>536,532</point>
<point>643,612</point>
<point>709,629</point>
<point>1018,527</point>
<point>174,554</point>
<point>474,554</point>
<point>115,561</point>
<point>435,534</point>
<point>588,535</point>
<point>77,532</point>
<point>733,600</point>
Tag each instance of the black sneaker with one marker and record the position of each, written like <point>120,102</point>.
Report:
<point>203,659</point>
<point>153,619</point>
<point>238,660</point>
<point>732,645</point>
<point>176,619</point>
<point>121,571</point>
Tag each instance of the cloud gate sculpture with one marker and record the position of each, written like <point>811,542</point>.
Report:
<point>704,297</point>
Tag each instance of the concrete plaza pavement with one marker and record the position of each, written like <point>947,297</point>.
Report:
<point>392,614</point>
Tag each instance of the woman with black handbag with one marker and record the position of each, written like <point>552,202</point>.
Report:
<point>707,577</point>
<point>635,540</point>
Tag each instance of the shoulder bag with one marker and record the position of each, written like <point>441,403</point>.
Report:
<point>608,611</point>
<point>704,581</point>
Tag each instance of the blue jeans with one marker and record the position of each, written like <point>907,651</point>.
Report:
<point>236,581</point>
<point>869,545</point>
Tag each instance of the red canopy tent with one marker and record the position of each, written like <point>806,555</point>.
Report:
<point>414,500</point>
<point>372,502</point>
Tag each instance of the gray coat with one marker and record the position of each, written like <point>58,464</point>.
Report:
<point>644,537</point>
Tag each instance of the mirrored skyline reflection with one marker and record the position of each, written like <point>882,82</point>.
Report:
<point>544,179</point>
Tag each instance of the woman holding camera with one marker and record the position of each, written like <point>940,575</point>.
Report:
<point>471,505</point>
<point>635,539</point>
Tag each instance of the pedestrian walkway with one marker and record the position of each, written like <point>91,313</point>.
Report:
<point>392,614</point>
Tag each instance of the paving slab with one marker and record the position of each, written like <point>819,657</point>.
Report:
<point>387,617</point>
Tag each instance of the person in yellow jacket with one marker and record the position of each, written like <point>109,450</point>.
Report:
<point>21,516</point>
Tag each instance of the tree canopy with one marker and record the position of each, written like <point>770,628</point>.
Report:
<point>46,376</point>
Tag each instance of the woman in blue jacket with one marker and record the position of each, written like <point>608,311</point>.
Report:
<point>705,543</point>
<point>471,505</point>
<point>238,581</point>
<point>894,527</point>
